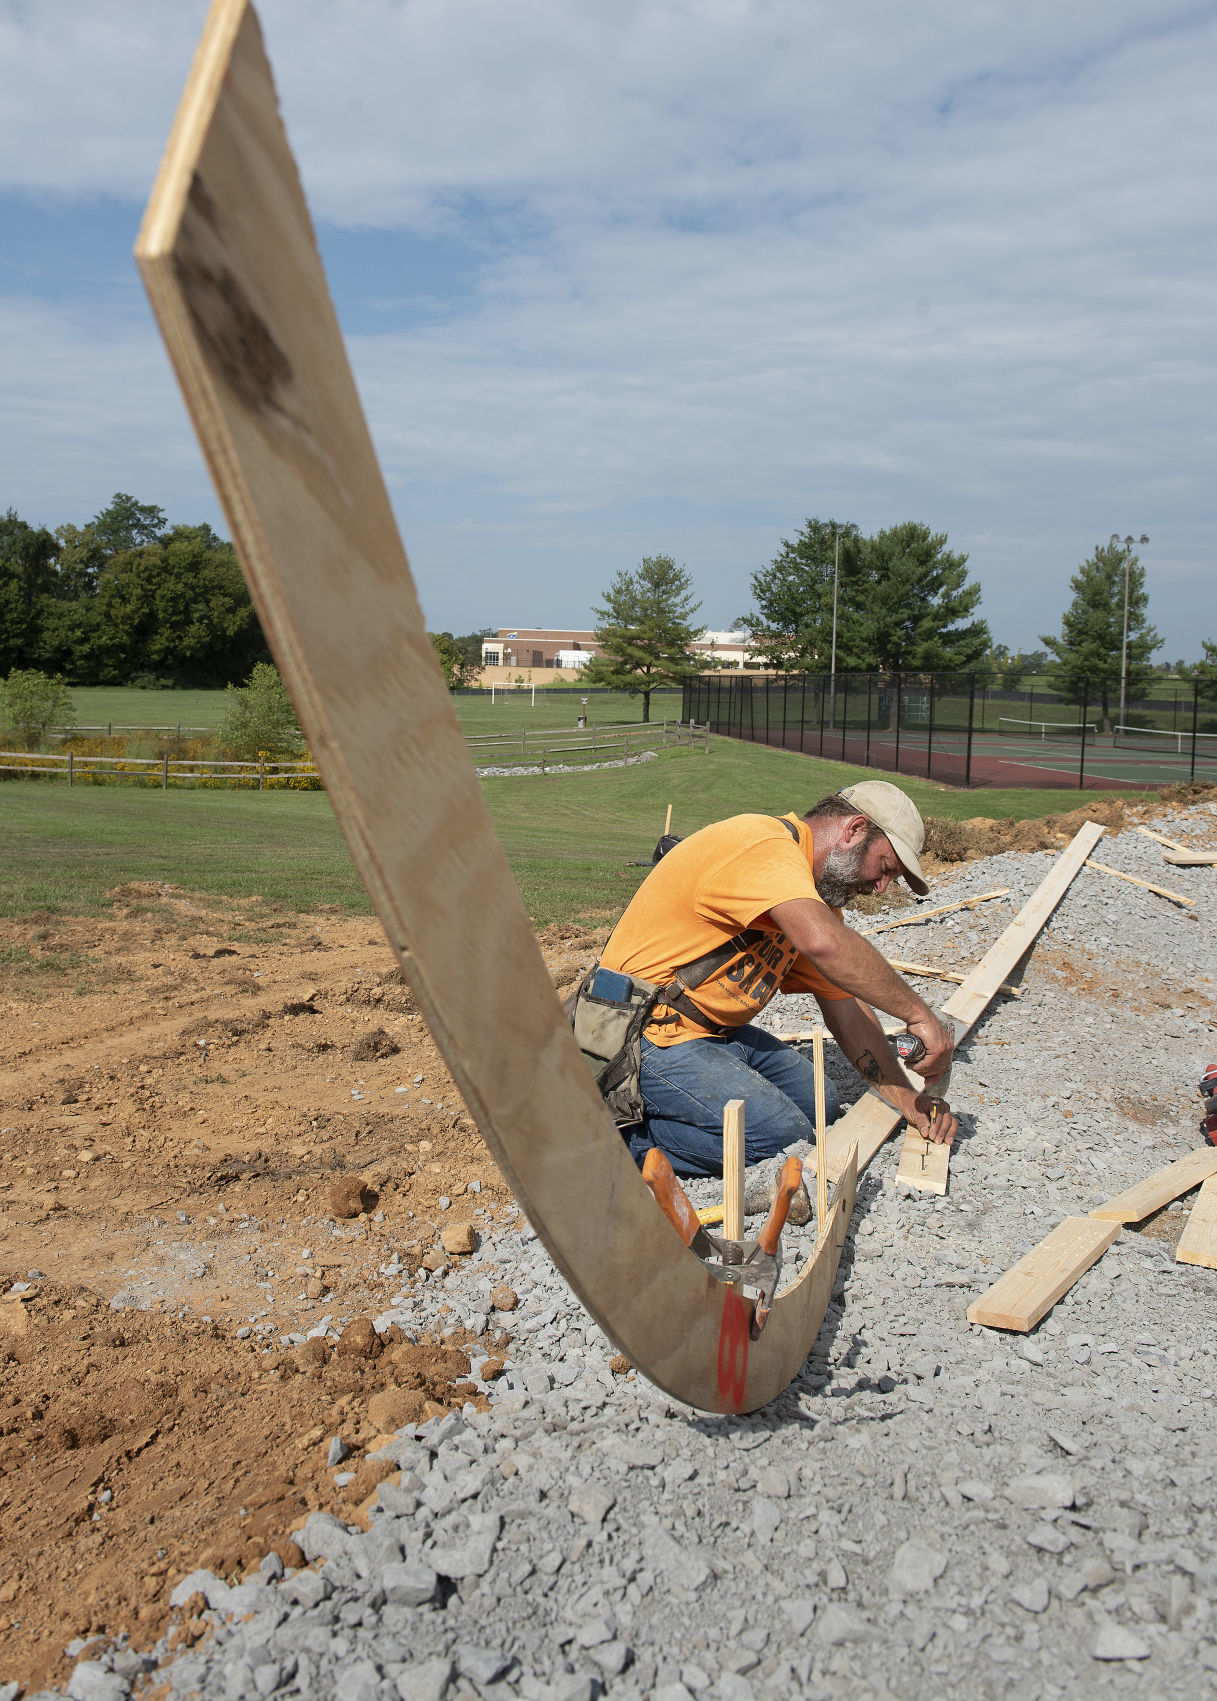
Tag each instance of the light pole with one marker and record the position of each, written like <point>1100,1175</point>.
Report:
<point>1128,544</point>
<point>849,531</point>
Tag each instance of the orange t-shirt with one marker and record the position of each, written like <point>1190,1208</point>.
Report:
<point>708,888</point>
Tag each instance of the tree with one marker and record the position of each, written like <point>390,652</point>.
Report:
<point>917,603</point>
<point>1089,648</point>
<point>27,575</point>
<point>645,631</point>
<point>460,668</point>
<point>176,612</point>
<point>1203,671</point>
<point>791,630</point>
<point>31,703</point>
<point>259,719</point>
<point>903,603</point>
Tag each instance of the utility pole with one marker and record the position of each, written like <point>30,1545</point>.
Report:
<point>1128,546</point>
<point>850,531</point>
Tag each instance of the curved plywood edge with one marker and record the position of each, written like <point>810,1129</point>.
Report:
<point>230,263</point>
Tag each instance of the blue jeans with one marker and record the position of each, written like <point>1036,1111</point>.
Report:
<point>685,1087</point>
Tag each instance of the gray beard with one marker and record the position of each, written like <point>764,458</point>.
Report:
<point>839,882</point>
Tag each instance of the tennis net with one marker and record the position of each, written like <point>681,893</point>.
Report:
<point>1175,743</point>
<point>1067,731</point>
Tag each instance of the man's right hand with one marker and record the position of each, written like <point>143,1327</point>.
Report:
<point>939,1042</point>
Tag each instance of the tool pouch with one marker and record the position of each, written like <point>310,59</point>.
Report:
<point>608,1031</point>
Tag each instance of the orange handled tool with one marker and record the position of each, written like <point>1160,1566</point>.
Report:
<point>754,1265</point>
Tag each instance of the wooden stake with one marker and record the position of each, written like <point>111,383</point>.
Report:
<point>1198,1243</point>
<point>733,1169</point>
<point>1159,891</point>
<point>1032,1287</point>
<point>667,822</point>
<point>817,1040</point>
<point>943,909</point>
<point>1160,1188</point>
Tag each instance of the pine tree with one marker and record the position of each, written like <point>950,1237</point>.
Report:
<point>1089,648</point>
<point>791,630</point>
<point>645,631</point>
<point>917,603</point>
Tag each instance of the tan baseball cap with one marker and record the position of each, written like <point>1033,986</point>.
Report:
<point>899,818</point>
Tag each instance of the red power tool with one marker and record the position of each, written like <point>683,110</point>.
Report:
<point>1208,1092</point>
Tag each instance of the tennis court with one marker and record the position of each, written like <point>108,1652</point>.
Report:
<point>949,729</point>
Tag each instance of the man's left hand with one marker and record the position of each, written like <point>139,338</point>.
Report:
<point>933,1119</point>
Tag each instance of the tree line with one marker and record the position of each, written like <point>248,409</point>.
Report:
<point>127,599</point>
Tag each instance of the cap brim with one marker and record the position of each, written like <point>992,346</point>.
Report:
<point>909,863</point>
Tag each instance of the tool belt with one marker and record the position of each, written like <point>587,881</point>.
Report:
<point>608,1031</point>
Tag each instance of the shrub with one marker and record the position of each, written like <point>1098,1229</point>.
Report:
<point>31,703</point>
<point>259,719</point>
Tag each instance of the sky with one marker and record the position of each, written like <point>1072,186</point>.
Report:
<point>622,279</point>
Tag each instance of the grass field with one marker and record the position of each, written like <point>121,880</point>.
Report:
<point>106,705</point>
<point>569,838</point>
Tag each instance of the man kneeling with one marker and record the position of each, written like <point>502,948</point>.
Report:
<point>774,887</point>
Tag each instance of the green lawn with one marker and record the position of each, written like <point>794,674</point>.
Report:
<point>569,838</point>
<point>123,705</point>
<point>105,705</point>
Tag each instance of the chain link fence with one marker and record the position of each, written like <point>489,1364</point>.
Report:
<point>966,732</point>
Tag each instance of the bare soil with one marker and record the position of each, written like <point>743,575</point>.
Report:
<point>179,1131</point>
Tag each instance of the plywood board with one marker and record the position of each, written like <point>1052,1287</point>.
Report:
<point>1030,1289</point>
<point>869,1122</point>
<point>1160,1188</point>
<point>230,262</point>
<point>1198,1242</point>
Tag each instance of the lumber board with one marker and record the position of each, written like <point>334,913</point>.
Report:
<point>1161,838</point>
<point>928,915</point>
<point>230,263</point>
<point>924,1164</point>
<point>1190,859</point>
<point>945,974</point>
<point>1030,1288</point>
<point>1160,1188</point>
<point>1158,891</point>
<point>1198,1242</point>
<point>869,1122</point>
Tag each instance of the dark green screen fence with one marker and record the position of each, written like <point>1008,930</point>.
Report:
<point>960,731</point>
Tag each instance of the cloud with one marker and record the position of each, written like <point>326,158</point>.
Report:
<point>722,265</point>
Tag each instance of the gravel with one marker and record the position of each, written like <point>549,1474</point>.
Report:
<point>931,1510</point>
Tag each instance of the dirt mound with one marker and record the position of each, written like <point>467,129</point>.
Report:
<point>134,1447</point>
<point>948,841</point>
<point>371,1047</point>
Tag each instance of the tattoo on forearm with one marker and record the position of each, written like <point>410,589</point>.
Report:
<point>868,1065</point>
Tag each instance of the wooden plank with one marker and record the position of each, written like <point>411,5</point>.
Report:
<point>1160,1188</point>
<point>924,1164</point>
<point>1190,859</point>
<point>1171,844</point>
<point>943,909</point>
<point>1198,1242</point>
<point>945,974</point>
<point>821,1133</point>
<point>1159,891</point>
<point>733,1169</point>
<point>1030,1289</point>
<point>869,1122</point>
<point>230,263</point>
